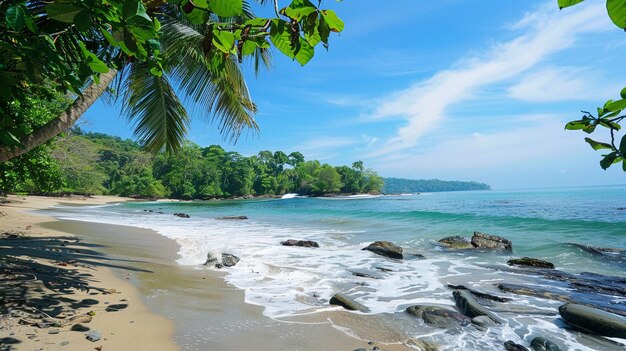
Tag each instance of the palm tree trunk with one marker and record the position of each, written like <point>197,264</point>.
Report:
<point>63,121</point>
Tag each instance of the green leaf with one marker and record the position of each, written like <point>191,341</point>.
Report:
<point>623,93</point>
<point>608,160</point>
<point>226,8</point>
<point>609,124</point>
<point>224,41</point>
<point>617,12</point>
<point>567,3</point>
<point>15,17</point>
<point>306,52</point>
<point>598,145</point>
<point>299,9</point>
<point>62,12</point>
<point>622,145</point>
<point>615,105</point>
<point>109,37</point>
<point>83,21</point>
<point>334,22</point>
<point>93,61</point>
<point>248,48</point>
<point>624,165</point>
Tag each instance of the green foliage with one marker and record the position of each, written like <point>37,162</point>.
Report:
<point>407,186</point>
<point>611,114</point>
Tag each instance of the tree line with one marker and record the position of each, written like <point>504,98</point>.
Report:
<point>406,186</point>
<point>96,163</point>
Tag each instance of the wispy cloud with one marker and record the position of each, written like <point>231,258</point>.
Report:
<point>544,32</point>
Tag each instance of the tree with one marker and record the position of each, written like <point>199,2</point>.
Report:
<point>79,43</point>
<point>611,114</point>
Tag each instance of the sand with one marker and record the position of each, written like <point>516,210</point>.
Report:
<point>196,309</point>
<point>123,321</point>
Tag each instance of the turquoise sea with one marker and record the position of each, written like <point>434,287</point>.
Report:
<point>290,281</point>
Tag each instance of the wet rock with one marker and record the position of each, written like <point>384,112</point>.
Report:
<point>542,344</point>
<point>240,218</point>
<point>347,303</point>
<point>470,307</point>
<point>593,320</point>
<point>530,262</point>
<point>491,242</point>
<point>225,260</point>
<point>79,328</point>
<point>483,321</point>
<point>53,331</point>
<point>439,317</point>
<point>511,346</point>
<point>300,243</point>
<point>383,269</point>
<point>182,215</point>
<point>414,256</point>
<point>456,242</point>
<point>608,252</point>
<point>229,260</point>
<point>362,273</point>
<point>480,294</point>
<point>9,341</point>
<point>385,248</point>
<point>93,336</point>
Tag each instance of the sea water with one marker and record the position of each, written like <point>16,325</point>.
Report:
<point>292,281</point>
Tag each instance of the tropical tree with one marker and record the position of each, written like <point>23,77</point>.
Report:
<point>200,44</point>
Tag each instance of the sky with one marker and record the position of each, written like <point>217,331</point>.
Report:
<point>451,89</point>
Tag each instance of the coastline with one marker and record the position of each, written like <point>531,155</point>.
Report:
<point>196,307</point>
<point>121,319</point>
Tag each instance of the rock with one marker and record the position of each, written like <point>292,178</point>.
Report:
<point>542,344</point>
<point>439,317</point>
<point>593,320</point>
<point>385,248</point>
<point>483,321</point>
<point>229,260</point>
<point>456,242</point>
<point>79,328</point>
<point>491,242</point>
<point>300,243</point>
<point>116,307</point>
<point>241,218</point>
<point>511,346</point>
<point>530,262</point>
<point>347,303</point>
<point>93,336</point>
<point>470,307</point>
<point>414,256</point>
<point>480,294</point>
<point>365,274</point>
<point>383,269</point>
<point>181,215</point>
<point>609,252</point>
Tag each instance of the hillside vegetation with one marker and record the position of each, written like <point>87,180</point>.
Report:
<point>406,186</point>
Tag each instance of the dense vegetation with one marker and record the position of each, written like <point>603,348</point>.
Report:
<point>95,163</point>
<point>407,186</point>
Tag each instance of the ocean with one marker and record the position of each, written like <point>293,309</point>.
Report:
<point>289,282</point>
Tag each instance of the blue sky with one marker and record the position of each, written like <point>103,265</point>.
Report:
<point>450,89</point>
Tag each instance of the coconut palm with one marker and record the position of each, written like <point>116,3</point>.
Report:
<point>151,103</point>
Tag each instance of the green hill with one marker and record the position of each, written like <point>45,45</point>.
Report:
<point>405,186</point>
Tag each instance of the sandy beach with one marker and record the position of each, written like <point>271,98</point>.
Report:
<point>156,304</point>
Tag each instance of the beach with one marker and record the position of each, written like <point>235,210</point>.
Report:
<point>164,305</point>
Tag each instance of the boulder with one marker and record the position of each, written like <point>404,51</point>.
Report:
<point>385,248</point>
<point>593,320</point>
<point>530,262</point>
<point>455,242</point>
<point>481,294</point>
<point>229,260</point>
<point>439,317</point>
<point>511,346</point>
<point>608,252</point>
<point>181,215</point>
<point>483,321</point>
<point>470,307</point>
<point>491,242</point>
<point>542,344</point>
<point>347,303</point>
<point>225,260</point>
<point>233,218</point>
<point>300,243</point>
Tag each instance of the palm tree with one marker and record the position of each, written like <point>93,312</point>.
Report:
<point>151,103</point>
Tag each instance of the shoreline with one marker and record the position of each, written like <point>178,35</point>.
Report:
<point>197,307</point>
<point>122,321</point>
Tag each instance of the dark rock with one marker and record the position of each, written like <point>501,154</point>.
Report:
<point>9,341</point>
<point>542,344</point>
<point>181,215</point>
<point>347,303</point>
<point>300,243</point>
<point>79,328</point>
<point>365,274</point>
<point>470,307</point>
<point>116,307</point>
<point>438,316</point>
<point>511,346</point>
<point>383,269</point>
<point>608,252</point>
<point>483,321</point>
<point>530,262</point>
<point>229,260</point>
<point>593,320</point>
<point>456,242</point>
<point>414,256</point>
<point>491,242</point>
<point>385,248</point>
<point>233,218</point>
<point>480,294</point>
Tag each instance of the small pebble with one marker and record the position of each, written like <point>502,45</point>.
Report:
<point>54,331</point>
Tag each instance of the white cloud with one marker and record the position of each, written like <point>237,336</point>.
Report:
<point>561,84</point>
<point>424,104</point>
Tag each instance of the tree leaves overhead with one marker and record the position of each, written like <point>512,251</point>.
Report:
<point>568,3</point>
<point>617,12</point>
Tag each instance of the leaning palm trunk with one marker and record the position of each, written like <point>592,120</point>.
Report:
<point>63,121</point>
